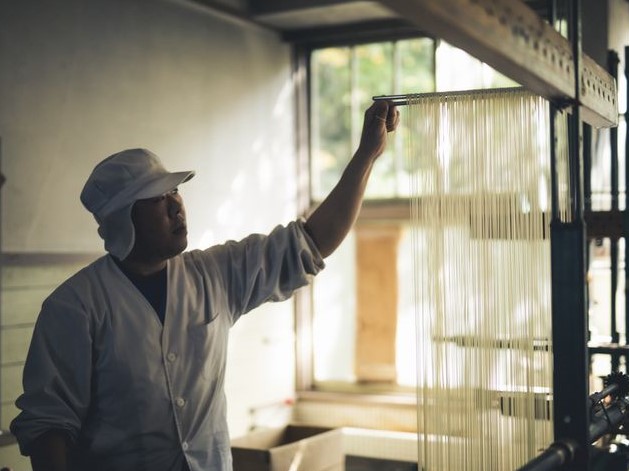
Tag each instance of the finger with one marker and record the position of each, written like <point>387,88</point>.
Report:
<point>393,118</point>
<point>397,119</point>
<point>381,116</point>
<point>381,107</point>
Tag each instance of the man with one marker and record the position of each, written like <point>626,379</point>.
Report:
<point>126,366</point>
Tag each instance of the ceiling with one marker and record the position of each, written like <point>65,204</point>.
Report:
<point>509,35</point>
<point>316,21</point>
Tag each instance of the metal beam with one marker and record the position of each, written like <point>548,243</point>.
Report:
<point>513,39</point>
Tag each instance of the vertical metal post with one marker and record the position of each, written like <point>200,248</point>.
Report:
<point>587,168</point>
<point>612,67</point>
<point>625,228</point>
<point>569,308</point>
<point>554,187</point>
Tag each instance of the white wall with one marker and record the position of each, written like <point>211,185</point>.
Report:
<point>81,79</point>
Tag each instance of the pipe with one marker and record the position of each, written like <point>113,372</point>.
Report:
<point>605,420</point>
<point>558,454</point>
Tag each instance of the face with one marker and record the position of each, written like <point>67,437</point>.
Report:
<point>160,228</point>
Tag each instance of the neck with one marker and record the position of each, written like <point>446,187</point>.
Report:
<point>142,267</point>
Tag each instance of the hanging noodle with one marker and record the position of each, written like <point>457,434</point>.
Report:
<point>480,211</point>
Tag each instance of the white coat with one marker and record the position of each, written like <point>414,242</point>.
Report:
<point>133,394</point>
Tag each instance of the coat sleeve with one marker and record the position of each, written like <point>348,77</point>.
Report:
<point>263,268</point>
<point>57,374</point>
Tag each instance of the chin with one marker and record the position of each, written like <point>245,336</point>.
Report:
<point>173,249</point>
<point>180,247</point>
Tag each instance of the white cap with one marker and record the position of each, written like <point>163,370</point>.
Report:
<point>115,184</point>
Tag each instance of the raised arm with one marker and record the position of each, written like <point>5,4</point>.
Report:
<point>334,217</point>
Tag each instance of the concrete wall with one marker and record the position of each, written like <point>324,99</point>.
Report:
<point>81,79</point>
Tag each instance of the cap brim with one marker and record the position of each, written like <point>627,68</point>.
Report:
<point>139,190</point>
<point>163,184</point>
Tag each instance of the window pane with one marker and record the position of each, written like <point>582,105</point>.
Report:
<point>600,295</point>
<point>374,73</point>
<point>601,167</point>
<point>406,343</point>
<point>343,82</point>
<point>600,289</point>
<point>416,66</point>
<point>334,319</point>
<point>375,76</point>
<point>457,70</point>
<point>330,118</point>
<point>416,75</point>
<point>335,322</point>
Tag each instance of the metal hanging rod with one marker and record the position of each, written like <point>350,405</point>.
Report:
<point>407,98</point>
<point>410,98</point>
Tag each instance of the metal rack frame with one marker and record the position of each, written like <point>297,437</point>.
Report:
<point>513,39</point>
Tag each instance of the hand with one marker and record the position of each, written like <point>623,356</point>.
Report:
<point>380,118</point>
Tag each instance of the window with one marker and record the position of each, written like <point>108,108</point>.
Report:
<point>343,81</point>
<point>362,323</point>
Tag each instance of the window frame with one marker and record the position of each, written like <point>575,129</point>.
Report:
<point>394,210</point>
